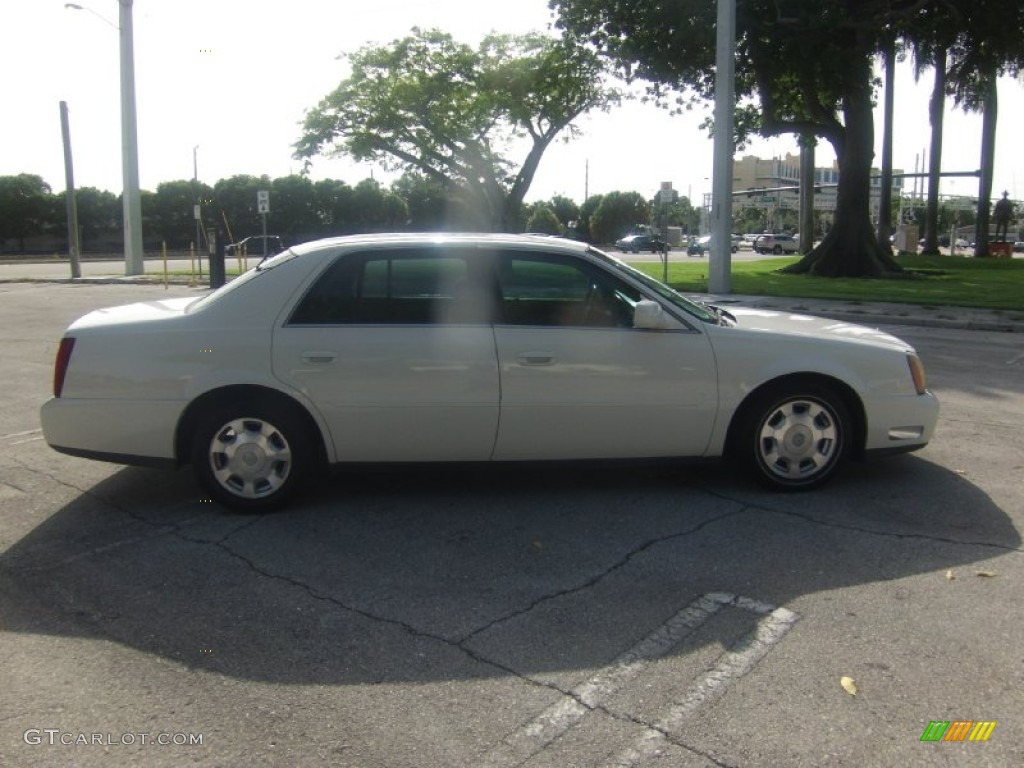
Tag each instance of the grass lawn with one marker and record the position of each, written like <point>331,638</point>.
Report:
<point>934,281</point>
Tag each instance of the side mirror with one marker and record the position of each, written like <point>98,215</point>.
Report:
<point>649,315</point>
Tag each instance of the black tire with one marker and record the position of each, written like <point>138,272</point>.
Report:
<point>251,457</point>
<point>777,250</point>
<point>793,437</point>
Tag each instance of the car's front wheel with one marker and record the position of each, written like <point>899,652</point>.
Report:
<point>794,437</point>
<point>777,250</point>
<point>251,457</point>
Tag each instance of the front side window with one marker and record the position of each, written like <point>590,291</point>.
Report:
<point>549,290</point>
<point>391,287</point>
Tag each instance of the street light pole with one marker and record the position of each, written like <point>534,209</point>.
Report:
<point>132,198</point>
<point>721,182</point>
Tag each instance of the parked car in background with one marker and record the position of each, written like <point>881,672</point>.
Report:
<point>701,245</point>
<point>1018,247</point>
<point>471,348</point>
<point>638,243</point>
<point>253,246</point>
<point>768,243</point>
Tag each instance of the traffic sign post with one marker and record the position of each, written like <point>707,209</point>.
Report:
<point>263,206</point>
<point>666,195</point>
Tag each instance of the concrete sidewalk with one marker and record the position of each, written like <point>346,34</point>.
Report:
<point>883,313</point>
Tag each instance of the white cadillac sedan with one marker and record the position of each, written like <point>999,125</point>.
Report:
<point>468,348</point>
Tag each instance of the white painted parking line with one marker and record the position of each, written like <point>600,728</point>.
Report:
<point>27,440</point>
<point>731,665</point>
<point>534,736</point>
<point>21,434</point>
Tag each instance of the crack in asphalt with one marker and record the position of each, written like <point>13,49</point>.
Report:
<point>463,643</point>
<point>761,508</point>
<point>597,578</point>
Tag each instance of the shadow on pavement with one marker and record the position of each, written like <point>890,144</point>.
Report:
<point>466,572</point>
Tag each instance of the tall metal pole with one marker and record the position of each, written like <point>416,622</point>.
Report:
<point>806,193</point>
<point>721,183</point>
<point>197,212</point>
<point>132,200</point>
<point>69,192</point>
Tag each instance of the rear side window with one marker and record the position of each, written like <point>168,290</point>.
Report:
<point>392,287</point>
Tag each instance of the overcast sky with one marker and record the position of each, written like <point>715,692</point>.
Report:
<point>235,78</point>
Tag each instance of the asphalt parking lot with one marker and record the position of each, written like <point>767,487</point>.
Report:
<point>514,616</point>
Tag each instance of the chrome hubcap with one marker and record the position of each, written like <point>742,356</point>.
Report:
<point>798,440</point>
<point>250,458</point>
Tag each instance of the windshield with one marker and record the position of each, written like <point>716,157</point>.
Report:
<point>655,286</point>
<point>238,282</point>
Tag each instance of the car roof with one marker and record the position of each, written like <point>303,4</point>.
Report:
<point>405,239</point>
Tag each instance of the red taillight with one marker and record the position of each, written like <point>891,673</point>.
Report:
<point>60,368</point>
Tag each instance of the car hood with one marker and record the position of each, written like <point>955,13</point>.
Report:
<point>140,312</point>
<point>790,323</point>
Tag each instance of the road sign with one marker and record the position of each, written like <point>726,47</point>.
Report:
<point>263,201</point>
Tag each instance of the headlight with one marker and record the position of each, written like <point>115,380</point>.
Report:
<point>917,374</point>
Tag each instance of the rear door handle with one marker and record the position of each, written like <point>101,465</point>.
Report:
<point>313,356</point>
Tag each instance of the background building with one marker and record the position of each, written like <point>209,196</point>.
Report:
<point>769,190</point>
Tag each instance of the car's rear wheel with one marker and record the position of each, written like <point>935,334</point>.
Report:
<point>251,457</point>
<point>794,437</point>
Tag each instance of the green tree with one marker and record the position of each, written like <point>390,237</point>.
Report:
<point>24,206</point>
<point>375,209</point>
<point>988,46</point>
<point>234,198</point>
<point>587,209</point>
<point>618,214</point>
<point>543,221</point>
<point>333,207</point>
<point>678,212</point>
<point>170,212</point>
<point>828,94</point>
<point>436,204</point>
<point>456,114</point>
<point>565,210</point>
<point>99,215</point>
<point>294,207</point>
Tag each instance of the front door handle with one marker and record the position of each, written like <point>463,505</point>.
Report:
<point>319,357</point>
<point>535,358</point>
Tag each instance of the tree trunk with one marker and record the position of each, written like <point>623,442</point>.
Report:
<point>936,110</point>
<point>988,164</point>
<point>851,249</point>
<point>885,188</point>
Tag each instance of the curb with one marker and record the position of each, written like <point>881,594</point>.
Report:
<point>962,318</point>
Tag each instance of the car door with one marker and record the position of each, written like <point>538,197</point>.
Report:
<point>396,349</point>
<point>578,381</point>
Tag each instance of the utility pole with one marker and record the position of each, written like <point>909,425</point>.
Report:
<point>721,184</point>
<point>134,256</point>
<point>74,247</point>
